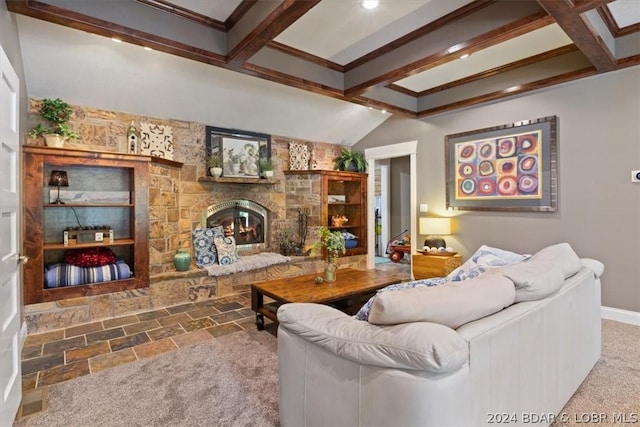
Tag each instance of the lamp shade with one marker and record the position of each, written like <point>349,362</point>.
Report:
<point>58,179</point>
<point>435,226</point>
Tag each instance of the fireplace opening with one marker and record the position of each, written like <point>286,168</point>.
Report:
<point>245,220</point>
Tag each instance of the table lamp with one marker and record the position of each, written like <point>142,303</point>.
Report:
<point>432,227</point>
<point>58,179</point>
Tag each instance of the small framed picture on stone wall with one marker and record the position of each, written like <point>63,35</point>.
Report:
<point>241,151</point>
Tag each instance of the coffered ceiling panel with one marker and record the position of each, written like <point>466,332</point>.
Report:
<point>625,12</point>
<point>218,10</point>
<point>530,44</point>
<point>402,57</point>
<point>342,30</point>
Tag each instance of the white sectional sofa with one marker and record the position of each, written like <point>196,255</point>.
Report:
<point>519,364</point>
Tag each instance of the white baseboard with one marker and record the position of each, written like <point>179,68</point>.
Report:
<point>619,315</point>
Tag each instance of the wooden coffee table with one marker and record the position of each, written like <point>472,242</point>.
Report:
<point>350,290</point>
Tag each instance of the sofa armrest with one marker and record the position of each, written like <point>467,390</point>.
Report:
<point>596,266</point>
<point>421,346</point>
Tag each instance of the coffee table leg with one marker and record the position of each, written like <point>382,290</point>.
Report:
<point>260,321</point>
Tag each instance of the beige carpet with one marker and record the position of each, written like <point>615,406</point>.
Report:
<point>611,392</point>
<point>232,381</point>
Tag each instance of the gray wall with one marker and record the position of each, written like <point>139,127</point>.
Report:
<point>598,206</point>
<point>11,45</point>
<point>400,202</point>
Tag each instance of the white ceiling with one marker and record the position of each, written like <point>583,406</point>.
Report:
<point>342,31</point>
<point>533,43</point>
<point>219,10</point>
<point>625,12</point>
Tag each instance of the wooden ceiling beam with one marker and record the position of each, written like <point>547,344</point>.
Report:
<point>505,93</point>
<point>581,32</point>
<point>174,9</point>
<point>261,25</point>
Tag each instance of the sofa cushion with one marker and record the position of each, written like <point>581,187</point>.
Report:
<point>483,259</point>
<point>451,304</point>
<point>533,279</point>
<point>563,255</point>
<point>419,346</point>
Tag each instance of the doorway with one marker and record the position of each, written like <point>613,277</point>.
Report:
<point>382,157</point>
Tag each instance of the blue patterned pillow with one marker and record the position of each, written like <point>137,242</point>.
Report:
<point>226,247</point>
<point>204,248</point>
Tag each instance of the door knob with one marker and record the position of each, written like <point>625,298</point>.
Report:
<point>22,259</point>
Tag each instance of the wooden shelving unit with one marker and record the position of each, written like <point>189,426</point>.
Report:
<point>45,222</point>
<point>352,185</point>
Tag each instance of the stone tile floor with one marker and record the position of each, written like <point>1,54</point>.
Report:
<point>60,355</point>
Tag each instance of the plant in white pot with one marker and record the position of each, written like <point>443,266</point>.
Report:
<point>266,167</point>
<point>214,163</point>
<point>57,113</point>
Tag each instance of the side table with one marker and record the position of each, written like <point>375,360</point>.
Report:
<point>427,266</point>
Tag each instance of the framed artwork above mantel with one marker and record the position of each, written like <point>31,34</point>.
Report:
<point>511,167</point>
<point>241,151</point>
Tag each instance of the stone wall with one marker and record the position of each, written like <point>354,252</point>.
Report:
<point>177,198</point>
<point>176,202</point>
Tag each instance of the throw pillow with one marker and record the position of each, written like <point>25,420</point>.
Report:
<point>89,257</point>
<point>561,254</point>
<point>226,247</point>
<point>203,245</point>
<point>452,304</point>
<point>483,259</point>
<point>533,279</point>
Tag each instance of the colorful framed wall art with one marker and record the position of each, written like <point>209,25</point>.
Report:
<point>510,167</point>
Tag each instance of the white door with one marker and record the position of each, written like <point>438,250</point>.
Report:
<point>10,277</point>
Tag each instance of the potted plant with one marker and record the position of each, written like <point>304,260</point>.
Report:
<point>333,244</point>
<point>266,167</point>
<point>288,242</point>
<point>351,160</point>
<point>57,113</point>
<point>214,163</point>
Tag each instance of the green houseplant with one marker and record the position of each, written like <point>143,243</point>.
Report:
<point>350,160</point>
<point>214,163</point>
<point>333,244</point>
<point>57,113</point>
<point>266,167</point>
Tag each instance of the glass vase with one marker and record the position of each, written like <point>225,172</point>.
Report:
<point>330,272</point>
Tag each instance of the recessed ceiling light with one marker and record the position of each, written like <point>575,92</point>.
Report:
<point>465,56</point>
<point>453,49</point>
<point>384,111</point>
<point>147,48</point>
<point>369,4</point>
<point>116,40</point>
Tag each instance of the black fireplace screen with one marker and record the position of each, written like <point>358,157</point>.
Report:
<point>246,221</point>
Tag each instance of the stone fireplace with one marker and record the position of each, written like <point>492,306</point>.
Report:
<point>245,220</point>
